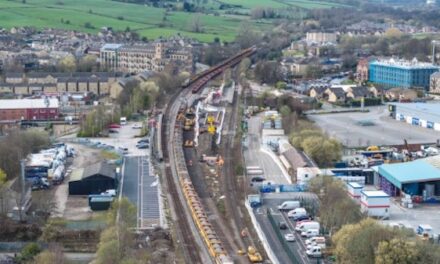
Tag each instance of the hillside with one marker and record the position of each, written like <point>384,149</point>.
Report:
<point>219,19</point>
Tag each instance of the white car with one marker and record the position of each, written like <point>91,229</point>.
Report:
<point>137,126</point>
<point>289,237</point>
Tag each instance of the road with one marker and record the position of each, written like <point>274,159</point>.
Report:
<point>254,155</point>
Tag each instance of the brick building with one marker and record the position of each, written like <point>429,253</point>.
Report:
<point>362,71</point>
<point>28,109</point>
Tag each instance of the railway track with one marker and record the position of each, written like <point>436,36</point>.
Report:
<point>176,173</point>
<point>188,242</point>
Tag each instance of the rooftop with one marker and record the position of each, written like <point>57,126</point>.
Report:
<point>375,194</point>
<point>405,64</point>
<point>421,110</point>
<point>355,185</point>
<point>28,103</point>
<point>111,46</point>
<point>421,170</point>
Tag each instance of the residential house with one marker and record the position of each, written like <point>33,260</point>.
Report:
<point>359,92</point>
<point>335,95</point>
<point>14,77</point>
<point>317,92</point>
<point>376,91</point>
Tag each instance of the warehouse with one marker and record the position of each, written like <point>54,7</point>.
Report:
<point>94,179</point>
<point>416,178</point>
<point>425,115</point>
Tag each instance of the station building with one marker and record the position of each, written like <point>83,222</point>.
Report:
<point>426,115</point>
<point>416,178</point>
<point>401,73</point>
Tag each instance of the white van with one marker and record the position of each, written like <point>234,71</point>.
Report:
<point>123,121</point>
<point>306,226</point>
<point>314,252</point>
<point>315,244</point>
<point>289,205</point>
<point>297,212</point>
<point>316,239</point>
<point>310,233</point>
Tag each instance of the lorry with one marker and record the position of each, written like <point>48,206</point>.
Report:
<point>297,212</point>
<point>123,121</point>
<point>304,226</point>
<point>289,205</point>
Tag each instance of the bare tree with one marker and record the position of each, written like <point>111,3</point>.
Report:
<point>196,24</point>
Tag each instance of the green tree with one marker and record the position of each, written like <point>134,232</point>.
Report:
<point>397,250</point>
<point>29,252</point>
<point>285,110</point>
<point>88,63</point>
<point>67,64</point>
<point>281,85</point>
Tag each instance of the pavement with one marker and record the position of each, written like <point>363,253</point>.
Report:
<point>385,131</point>
<point>256,156</point>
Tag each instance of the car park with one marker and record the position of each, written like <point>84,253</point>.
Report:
<point>289,237</point>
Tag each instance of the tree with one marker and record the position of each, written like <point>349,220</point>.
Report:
<point>246,36</point>
<point>29,252</point>
<point>285,110</point>
<point>67,64</point>
<point>396,250</point>
<point>196,24</point>
<point>280,85</point>
<point>3,193</point>
<point>88,63</point>
<point>268,72</point>
<point>52,255</point>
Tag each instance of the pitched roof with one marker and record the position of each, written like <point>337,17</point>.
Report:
<point>13,75</point>
<point>361,91</point>
<point>339,92</point>
<point>101,168</point>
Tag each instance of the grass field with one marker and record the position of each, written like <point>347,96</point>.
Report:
<point>145,20</point>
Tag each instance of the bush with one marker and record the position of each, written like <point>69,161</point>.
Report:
<point>29,252</point>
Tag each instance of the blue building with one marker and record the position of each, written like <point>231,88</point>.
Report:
<point>420,177</point>
<point>401,73</point>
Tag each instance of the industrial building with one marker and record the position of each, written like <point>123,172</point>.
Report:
<point>375,204</point>
<point>354,189</point>
<point>401,73</point>
<point>416,178</point>
<point>94,179</point>
<point>426,115</point>
<point>28,109</point>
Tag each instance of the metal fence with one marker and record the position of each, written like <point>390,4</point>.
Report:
<point>283,242</point>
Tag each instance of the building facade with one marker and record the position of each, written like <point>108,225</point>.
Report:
<point>98,83</point>
<point>401,73</point>
<point>321,37</point>
<point>362,71</point>
<point>29,109</point>
<point>147,57</point>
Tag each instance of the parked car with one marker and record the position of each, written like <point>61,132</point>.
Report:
<point>297,212</point>
<point>113,131</point>
<point>310,233</point>
<point>142,146</point>
<point>289,237</point>
<point>144,140</point>
<point>314,252</point>
<point>258,179</point>
<point>137,126</point>
<point>289,205</point>
<point>301,218</point>
<point>114,126</point>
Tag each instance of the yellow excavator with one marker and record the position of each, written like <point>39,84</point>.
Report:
<point>253,255</point>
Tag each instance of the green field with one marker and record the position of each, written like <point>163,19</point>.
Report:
<point>147,21</point>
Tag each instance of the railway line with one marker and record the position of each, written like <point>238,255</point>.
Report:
<point>176,172</point>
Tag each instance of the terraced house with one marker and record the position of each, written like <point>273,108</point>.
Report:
<point>98,83</point>
<point>148,57</point>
